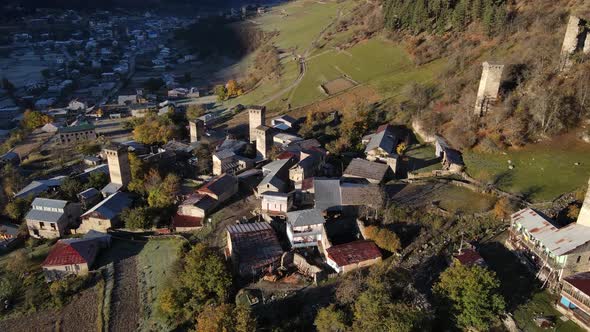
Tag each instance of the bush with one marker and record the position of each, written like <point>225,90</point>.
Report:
<point>61,290</point>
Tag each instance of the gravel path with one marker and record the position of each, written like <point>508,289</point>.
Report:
<point>125,298</point>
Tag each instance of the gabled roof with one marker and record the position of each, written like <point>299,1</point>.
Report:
<point>254,245</point>
<point>353,252</point>
<point>110,207</point>
<point>327,193</point>
<point>365,169</point>
<point>179,220</point>
<point>305,217</point>
<point>558,241</point>
<point>218,185</point>
<point>49,203</point>
<point>383,139</point>
<point>72,251</point>
<point>275,166</point>
<point>89,193</point>
<point>469,257</point>
<point>38,186</point>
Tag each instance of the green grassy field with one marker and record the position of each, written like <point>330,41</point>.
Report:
<point>541,171</point>
<point>154,264</point>
<point>457,199</point>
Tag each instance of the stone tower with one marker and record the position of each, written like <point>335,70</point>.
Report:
<point>489,86</point>
<point>196,128</point>
<point>257,117</point>
<point>119,168</point>
<point>263,138</point>
<point>584,216</point>
<point>575,40</point>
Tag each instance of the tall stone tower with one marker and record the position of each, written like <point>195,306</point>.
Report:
<point>575,40</point>
<point>263,138</point>
<point>489,86</point>
<point>196,128</point>
<point>119,168</point>
<point>257,117</point>
<point>584,216</point>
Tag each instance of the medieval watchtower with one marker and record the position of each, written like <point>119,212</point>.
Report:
<point>257,117</point>
<point>196,128</point>
<point>575,40</point>
<point>264,140</point>
<point>489,87</point>
<point>119,169</point>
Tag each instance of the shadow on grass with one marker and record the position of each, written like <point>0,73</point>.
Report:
<point>518,285</point>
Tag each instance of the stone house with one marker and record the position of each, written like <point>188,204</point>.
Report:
<point>51,218</point>
<point>347,257</point>
<point>76,134</point>
<point>276,174</point>
<point>70,257</point>
<point>381,145</point>
<point>253,248</point>
<point>370,171</point>
<point>89,198</point>
<point>105,215</point>
<point>305,228</point>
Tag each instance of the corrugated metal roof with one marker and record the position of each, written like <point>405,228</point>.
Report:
<point>305,217</point>
<point>46,216</point>
<point>558,241</point>
<point>49,203</point>
<point>366,169</point>
<point>111,206</point>
<point>383,139</point>
<point>327,193</point>
<point>249,228</point>
<point>353,252</point>
<point>72,251</point>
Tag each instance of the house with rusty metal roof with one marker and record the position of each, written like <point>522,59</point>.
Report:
<point>70,257</point>
<point>353,255</point>
<point>254,248</point>
<point>574,299</point>
<point>552,250</point>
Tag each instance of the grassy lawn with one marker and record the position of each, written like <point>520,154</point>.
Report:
<point>458,199</point>
<point>542,304</point>
<point>541,171</point>
<point>421,158</point>
<point>155,262</point>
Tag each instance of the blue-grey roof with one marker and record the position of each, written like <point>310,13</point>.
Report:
<point>111,188</point>
<point>89,193</point>
<point>305,217</point>
<point>327,193</point>
<point>41,215</point>
<point>223,154</point>
<point>383,139</point>
<point>49,203</point>
<point>38,186</point>
<point>111,206</point>
<point>274,166</point>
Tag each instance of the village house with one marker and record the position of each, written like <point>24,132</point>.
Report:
<point>309,163</point>
<point>284,139</point>
<point>8,235</point>
<point>37,187</point>
<point>191,212</point>
<point>451,159</point>
<point>76,134</point>
<point>305,228</point>
<point>253,248</point>
<point>468,257</point>
<point>276,174</point>
<point>276,204</point>
<point>89,198</point>
<point>370,171</point>
<point>283,122</point>
<point>70,257</point>
<point>574,300</point>
<point>347,257</point>
<point>554,251</point>
<point>381,146</point>
<point>51,218</point>
<point>334,195</point>
<point>105,215</point>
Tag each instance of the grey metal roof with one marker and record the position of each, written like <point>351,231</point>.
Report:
<point>383,139</point>
<point>223,154</point>
<point>41,215</point>
<point>38,186</point>
<point>111,206</point>
<point>89,193</point>
<point>275,194</point>
<point>248,228</point>
<point>275,166</point>
<point>305,217</point>
<point>366,169</point>
<point>327,193</point>
<point>558,241</point>
<point>111,188</point>
<point>49,203</point>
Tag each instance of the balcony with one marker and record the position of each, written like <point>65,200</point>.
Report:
<point>535,255</point>
<point>575,314</point>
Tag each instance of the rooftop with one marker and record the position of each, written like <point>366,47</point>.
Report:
<point>558,241</point>
<point>72,129</point>
<point>110,207</point>
<point>353,252</point>
<point>72,251</point>
<point>254,245</point>
<point>383,139</point>
<point>218,185</point>
<point>581,281</point>
<point>365,169</point>
<point>179,220</point>
<point>305,217</point>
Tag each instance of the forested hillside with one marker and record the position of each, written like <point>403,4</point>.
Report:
<point>537,100</point>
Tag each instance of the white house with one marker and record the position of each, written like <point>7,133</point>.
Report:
<point>305,228</point>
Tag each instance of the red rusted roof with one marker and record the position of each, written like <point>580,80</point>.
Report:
<point>469,257</point>
<point>382,128</point>
<point>288,155</point>
<point>68,252</point>
<point>179,220</point>
<point>353,252</point>
<point>307,184</point>
<point>581,281</point>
